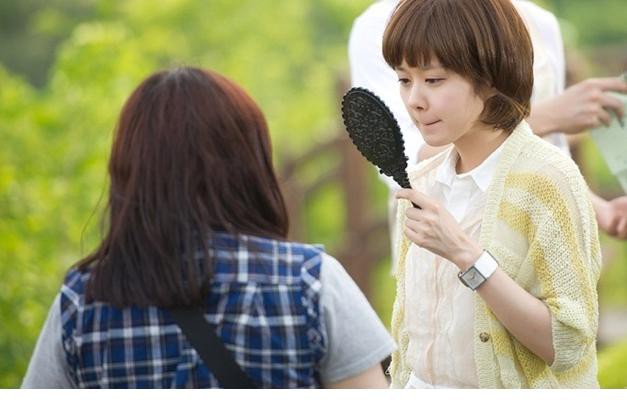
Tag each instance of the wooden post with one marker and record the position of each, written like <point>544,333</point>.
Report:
<point>364,239</point>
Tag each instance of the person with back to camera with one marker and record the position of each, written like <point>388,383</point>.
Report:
<point>196,219</point>
<point>497,272</point>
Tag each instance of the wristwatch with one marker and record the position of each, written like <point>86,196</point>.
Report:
<point>478,273</point>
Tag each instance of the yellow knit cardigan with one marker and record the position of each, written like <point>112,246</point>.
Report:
<point>539,224</point>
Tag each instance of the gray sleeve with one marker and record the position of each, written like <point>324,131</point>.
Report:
<point>47,367</point>
<point>356,338</point>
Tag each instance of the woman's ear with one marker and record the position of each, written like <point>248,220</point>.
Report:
<point>489,92</point>
<point>485,91</point>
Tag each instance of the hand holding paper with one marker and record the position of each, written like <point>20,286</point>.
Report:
<point>612,142</point>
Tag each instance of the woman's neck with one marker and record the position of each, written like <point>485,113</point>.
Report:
<point>476,146</point>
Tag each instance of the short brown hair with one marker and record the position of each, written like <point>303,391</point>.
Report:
<point>484,41</point>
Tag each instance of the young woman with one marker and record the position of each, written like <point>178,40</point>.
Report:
<point>196,219</point>
<point>497,271</point>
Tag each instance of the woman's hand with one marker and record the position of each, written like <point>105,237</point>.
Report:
<point>435,229</point>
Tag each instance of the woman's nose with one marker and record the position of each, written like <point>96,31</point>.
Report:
<point>416,98</point>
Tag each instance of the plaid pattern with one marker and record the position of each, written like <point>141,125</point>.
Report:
<point>264,301</point>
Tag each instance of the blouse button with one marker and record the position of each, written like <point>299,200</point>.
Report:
<point>484,337</point>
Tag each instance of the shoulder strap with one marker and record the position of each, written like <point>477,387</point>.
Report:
<point>202,336</point>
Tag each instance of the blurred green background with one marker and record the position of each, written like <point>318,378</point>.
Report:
<point>66,67</point>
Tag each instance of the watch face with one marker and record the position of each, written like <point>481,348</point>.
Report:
<point>477,274</point>
<point>473,278</point>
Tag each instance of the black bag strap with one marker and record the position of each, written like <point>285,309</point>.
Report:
<point>202,336</point>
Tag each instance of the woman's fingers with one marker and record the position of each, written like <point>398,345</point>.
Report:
<point>613,105</point>
<point>604,117</point>
<point>610,84</point>
<point>416,197</point>
<point>412,235</point>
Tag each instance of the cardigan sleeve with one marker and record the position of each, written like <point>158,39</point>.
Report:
<point>398,370</point>
<point>565,255</point>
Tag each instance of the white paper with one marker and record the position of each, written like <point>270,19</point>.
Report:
<point>612,142</point>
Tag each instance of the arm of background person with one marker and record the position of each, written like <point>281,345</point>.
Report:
<point>584,106</point>
<point>611,215</point>
<point>580,107</point>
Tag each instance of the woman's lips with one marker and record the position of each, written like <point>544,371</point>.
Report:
<point>422,123</point>
<point>430,123</point>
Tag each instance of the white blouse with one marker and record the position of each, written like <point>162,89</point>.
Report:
<point>439,308</point>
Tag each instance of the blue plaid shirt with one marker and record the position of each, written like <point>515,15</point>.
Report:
<point>264,302</point>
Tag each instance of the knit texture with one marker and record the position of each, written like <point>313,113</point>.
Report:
<point>539,223</point>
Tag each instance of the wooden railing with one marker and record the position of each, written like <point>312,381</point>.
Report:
<point>364,242</point>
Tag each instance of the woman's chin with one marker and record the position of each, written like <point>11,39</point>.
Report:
<point>435,141</point>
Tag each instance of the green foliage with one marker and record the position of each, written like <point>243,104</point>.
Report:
<point>384,292</point>
<point>83,58</point>
<point>596,22</point>
<point>31,29</point>
<point>612,366</point>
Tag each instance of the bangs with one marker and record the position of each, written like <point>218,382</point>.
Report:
<point>407,37</point>
<point>419,31</point>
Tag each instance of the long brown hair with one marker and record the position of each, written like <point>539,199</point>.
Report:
<point>191,155</point>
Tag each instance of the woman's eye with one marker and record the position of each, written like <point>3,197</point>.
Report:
<point>433,80</point>
<point>403,81</point>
